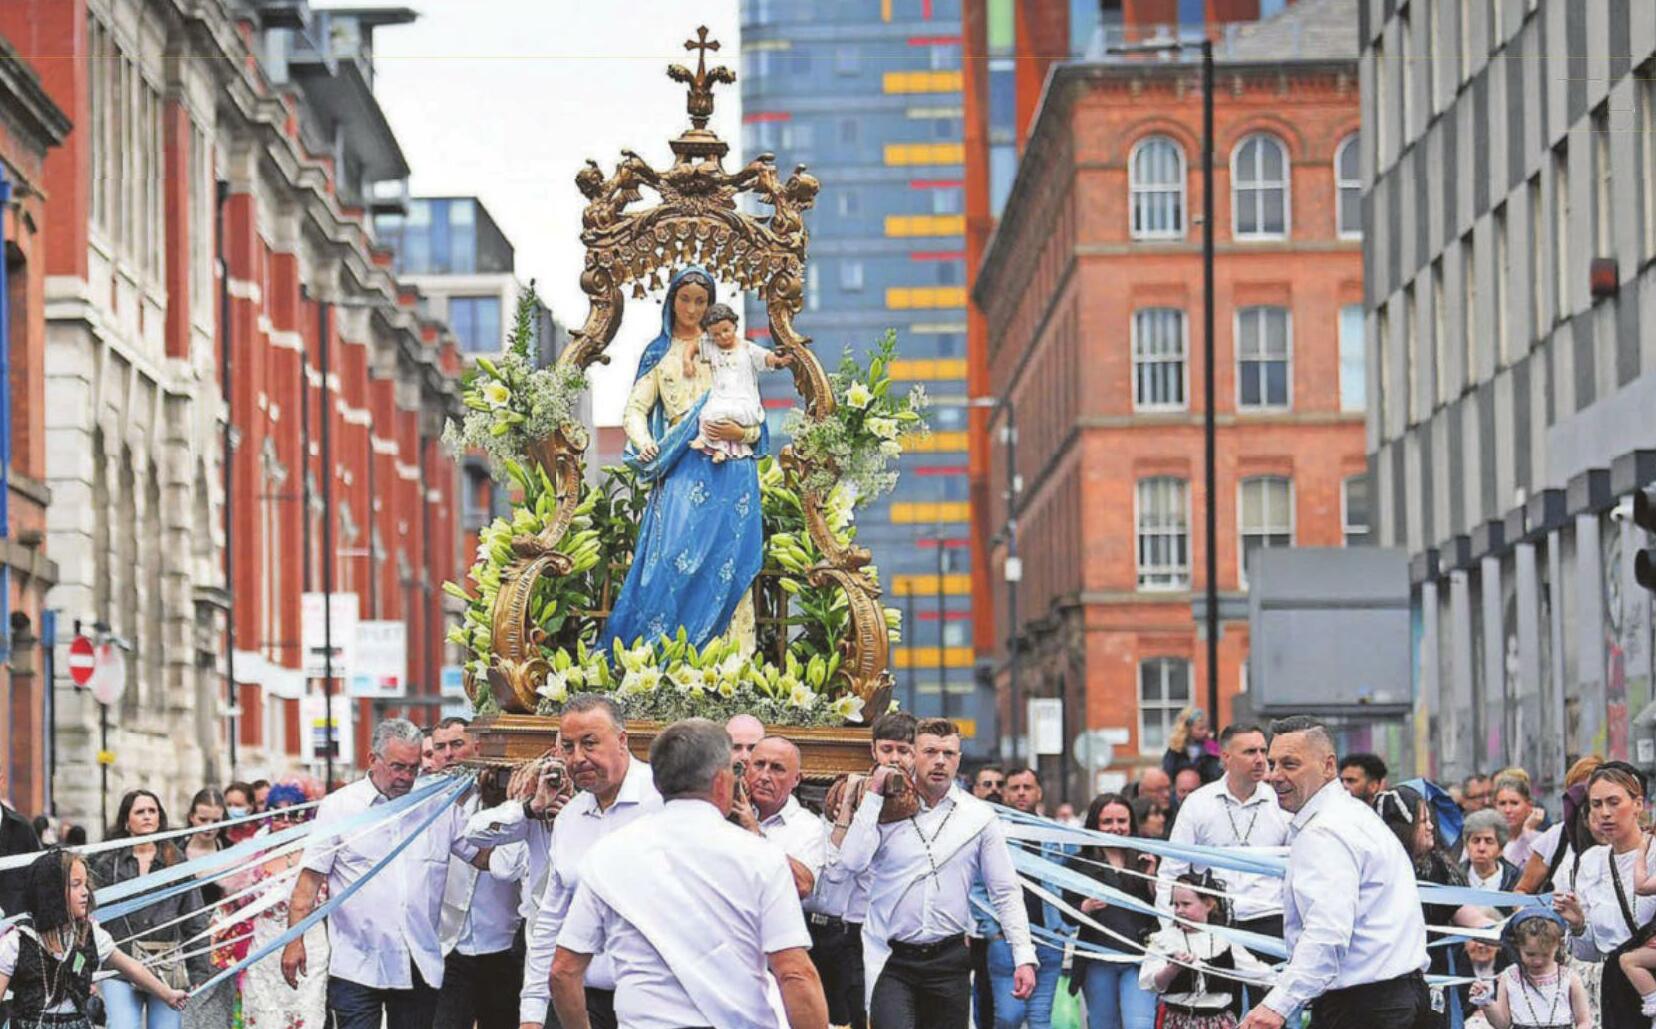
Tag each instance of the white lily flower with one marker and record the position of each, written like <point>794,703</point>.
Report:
<point>849,708</point>
<point>496,393</point>
<point>858,396</point>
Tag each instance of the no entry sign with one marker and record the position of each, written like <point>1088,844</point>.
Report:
<point>82,661</point>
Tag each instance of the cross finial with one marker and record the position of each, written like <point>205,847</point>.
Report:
<point>703,44</point>
<point>701,83</point>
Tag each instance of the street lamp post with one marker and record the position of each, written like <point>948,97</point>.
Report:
<point>1210,473</point>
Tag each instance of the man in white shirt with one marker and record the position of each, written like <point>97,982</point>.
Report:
<point>1026,793</point>
<point>385,962</point>
<point>777,815</point>
<point>835,910</point>
<point>1352,919</point>
<point>691,909</point>
<point>616,789</point>
<point>1236,810</point>
<point>482,966</point>
<point>915,959</point>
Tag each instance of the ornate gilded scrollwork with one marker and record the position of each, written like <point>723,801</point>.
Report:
<point>696,221</point>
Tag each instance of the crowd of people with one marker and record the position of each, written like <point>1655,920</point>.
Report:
<point>592,888</point>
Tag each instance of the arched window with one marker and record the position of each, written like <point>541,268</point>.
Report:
<point>1156,182</point>
<point>1259,188</point>
<point>1348,184</point>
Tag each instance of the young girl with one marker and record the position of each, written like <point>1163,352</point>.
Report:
<point>1536,992</point>
<point>735,393</point>
<point>49,960</point>
<point>1190,998</point>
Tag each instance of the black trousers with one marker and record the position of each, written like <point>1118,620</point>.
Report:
<point>1401,1003</point>
<point>925,986</point>
<point>836,950</point>
<point>355,1006</point>
<point>601,1009</point>
<point>983,992</point>
<point>480,989</point>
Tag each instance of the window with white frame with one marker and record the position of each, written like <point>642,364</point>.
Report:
<point>1354,509</point>
<point>1164,691</point>
<point>851,276</point>
<point>1353,360</point>
<point>1262,351</point>
<point>1156,183</point>
<point>1348,183</point>
<point>850,203</point>
<point>1159,358</point>
<point>1163,534</point>
<point>1259,188</point>
<point>1266,516</point>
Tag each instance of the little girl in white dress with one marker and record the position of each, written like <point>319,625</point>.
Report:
<point>1536,992</point>
<point>734,395</point>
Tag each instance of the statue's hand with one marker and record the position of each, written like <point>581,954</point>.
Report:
<point>726,431</point>
<point>648,451</point>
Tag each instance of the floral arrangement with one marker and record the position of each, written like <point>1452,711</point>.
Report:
<point>510,403</point>
<point>857,443</point>
<point>791,677</point>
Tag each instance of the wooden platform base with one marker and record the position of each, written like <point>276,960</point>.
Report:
<point>505,740</point>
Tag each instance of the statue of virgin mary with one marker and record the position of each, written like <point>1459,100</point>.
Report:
<point>701,539</point>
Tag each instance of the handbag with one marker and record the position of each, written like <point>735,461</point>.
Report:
<point>159,957</point>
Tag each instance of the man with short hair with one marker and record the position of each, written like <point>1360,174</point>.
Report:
<point>450,744</point>
<point>385,963</point>
<point>1025,792</point>
<point>989,784</point>
<point>773,773</point>
<point>914,941</point>
<point>1363,776</point>
<point>1475,791</point>
<point>1155,786</point>
<point>835,910</point>
<point>699,958</point>
<point>1236,810</point>
<point>428,753</point>
<point>1352,919</point>
<point>616,790</point>
<point>745,733</point>
<point>479,929</point>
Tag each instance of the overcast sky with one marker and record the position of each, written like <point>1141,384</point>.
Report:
<point>505,99</point>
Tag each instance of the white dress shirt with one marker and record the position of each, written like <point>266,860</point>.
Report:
<point>578,826</point>
<point>799,833</point>
<point>480,909</point>
<point>1212,817</point>
<point>392,920</point>
<point>1351,910</point>
<point>839,892</point>
<point>917,896</point>
<point>1607,928</point>
<point>742,881</point>
<point>509,823</point>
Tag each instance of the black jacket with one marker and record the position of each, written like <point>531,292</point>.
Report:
<point>118,866</point>
<point>17,836</point>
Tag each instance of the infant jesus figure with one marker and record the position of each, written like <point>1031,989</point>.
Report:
<point>734,396</point>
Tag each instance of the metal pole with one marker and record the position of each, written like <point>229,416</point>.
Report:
<point>226,365</point>
<point>304,471</point>
<point>5,375</point>
<point>48,668</point>
<point>1210,470</point>
<point>1010,434</point>
<point>103,765</point>
<point>327,552</point>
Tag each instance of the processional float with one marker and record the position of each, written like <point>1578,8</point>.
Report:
<point>698,219</point>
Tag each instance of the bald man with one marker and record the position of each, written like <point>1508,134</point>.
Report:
<point>773,773</point>
<point>1155,786</point>
<point>745,733</point>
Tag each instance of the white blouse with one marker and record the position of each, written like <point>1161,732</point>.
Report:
<point>1607,927</point>
<point>11,945</point>
<point>1205,948</point>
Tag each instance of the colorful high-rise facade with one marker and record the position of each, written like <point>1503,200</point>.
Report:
<point>868,94</point>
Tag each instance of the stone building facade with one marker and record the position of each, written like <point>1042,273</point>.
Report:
<point>211,220</point>
<point>1508,179</point>
<point>1091,289</point>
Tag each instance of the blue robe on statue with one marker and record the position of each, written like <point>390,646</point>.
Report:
<point>701,539</point>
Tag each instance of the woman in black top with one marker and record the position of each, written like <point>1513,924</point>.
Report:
<point>141,815</point>
<point>1114,998</point>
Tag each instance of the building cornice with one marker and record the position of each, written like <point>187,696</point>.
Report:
<point>28,102</point>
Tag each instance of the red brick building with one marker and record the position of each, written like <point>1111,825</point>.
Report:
<point>1091,296</point>
<point>30,125</point>
<point>213,292</point>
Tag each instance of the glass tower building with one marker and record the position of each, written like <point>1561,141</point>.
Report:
<point>868,94</point>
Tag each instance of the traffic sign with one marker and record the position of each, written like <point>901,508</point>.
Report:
<point>109,674</point>
<point>82,661</point>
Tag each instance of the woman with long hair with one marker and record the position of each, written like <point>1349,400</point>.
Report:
<point>268,1002</point>
<point>48,962</point>
<point>154,934</point>
<point>1513,800</point>
<point>1607,917</point>
<point>1190,744</point>
<point>1115,1000</point>
<point>212,1009</point>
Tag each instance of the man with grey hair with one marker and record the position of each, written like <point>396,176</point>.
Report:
<point>1351,911</point>
<point>386,963</point>
<point>699,958</point>
<point>615,790</point>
